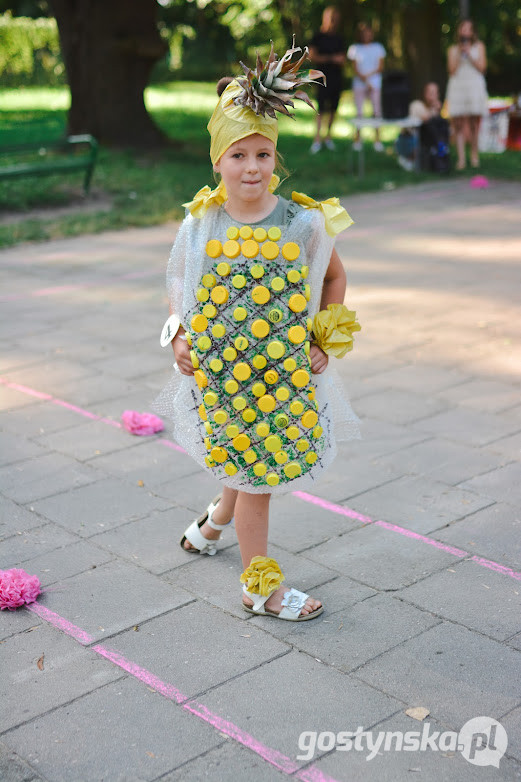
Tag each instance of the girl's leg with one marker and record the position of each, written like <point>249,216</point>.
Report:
<point>221,515</point>
<point>359,96</point>
<point>376,99</point>
<point>459,135</point>
<point>251,525</point>
<point>474,125</point>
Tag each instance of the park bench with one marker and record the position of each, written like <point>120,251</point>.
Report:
<point>73,153</point>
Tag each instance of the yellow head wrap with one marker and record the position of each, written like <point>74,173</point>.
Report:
<point>229,123</point>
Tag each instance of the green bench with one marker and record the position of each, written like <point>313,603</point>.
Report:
<point>73,153</point>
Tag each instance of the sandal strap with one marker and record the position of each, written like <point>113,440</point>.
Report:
<point>292,603</point>
<point>258,601</point>
<point>194,536</point>
<point>211,523</point>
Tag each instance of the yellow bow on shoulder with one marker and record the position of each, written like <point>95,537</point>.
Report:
<point>336,217</point>
<point>205,197</point>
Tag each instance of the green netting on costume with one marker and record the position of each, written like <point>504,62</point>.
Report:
<point>253,414</point>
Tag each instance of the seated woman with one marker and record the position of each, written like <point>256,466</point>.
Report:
<point>433,134</point>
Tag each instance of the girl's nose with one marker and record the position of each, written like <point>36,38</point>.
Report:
<point>252,164</point>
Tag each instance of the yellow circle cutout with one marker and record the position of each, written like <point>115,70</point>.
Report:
<point>231,248</point>
<point>292,470</point>
<point>219,455</point>
<point>242,372</point>
<point>293,275</point>
<point>282,393</point>
<point>199,323</point>
<point>241,442</point>
<point>220,417</point>
<point>281,457</point>
<point>229,354</point>
<point>220,294</point>
<point>297,334</point>
<point>296,303</point>
<point>271,377</point>
<point>260,294</point>
<point>202,294</point>
<point>230,468</point>
<point>250,248</point>
<point>223,269</point>
<point>200,378</point>
<point>272,479</point>
<point>204,343</point>
<point>239,403</point>
<point>258,389</point>
<point>249,456</point>
<point>239,281</point>
<point>309,419</point>
<point>267,403</point>
<point>270,250</point>
<point>260,234</point>
<point>276,349</point>
<point>257,271</point>
<point>290,364</point>
<point>240,313</point>
<point>259,362</point>
<point>273,443</point>
<point>249,415</point>
<point>300,378</point>
<point>208,280</point>
<point>241,343</point>
<point>274,233</point>
<point>296,407</point>
<point>232,232</point>
<point>260,469</point>
<point>278,284</point>
<point>263,429</point>
<point>214,248</point>
<point>218,330</point>
<point>260,328</point>
<point>302,445</point>
<point>232,431</point>
<point>245,232</point>
<point>292,432</point>
<point>291,251</point>
<point>231,386</point>
<point>209,310</point>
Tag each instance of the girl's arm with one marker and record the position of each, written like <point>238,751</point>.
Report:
<point>182,352</point>
<point>333,292</point>
<point>480,62</point>
<point>453,59</point>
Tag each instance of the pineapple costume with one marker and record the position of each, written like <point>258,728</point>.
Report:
<point>253,414</point>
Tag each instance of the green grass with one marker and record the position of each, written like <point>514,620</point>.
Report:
<point>149,188</point>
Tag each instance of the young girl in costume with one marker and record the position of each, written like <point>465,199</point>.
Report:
<point>257,287</point>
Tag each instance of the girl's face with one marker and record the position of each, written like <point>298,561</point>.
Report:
<point>247,167</point>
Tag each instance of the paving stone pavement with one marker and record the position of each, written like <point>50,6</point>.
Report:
<point>137,662</point>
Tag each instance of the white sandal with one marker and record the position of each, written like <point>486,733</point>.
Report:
<point>195,537</point>
<point>292,605</point>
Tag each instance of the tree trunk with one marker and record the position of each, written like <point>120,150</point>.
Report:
<point>109,50</point>
<point>421,25</point>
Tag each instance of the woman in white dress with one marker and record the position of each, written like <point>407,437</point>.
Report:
<point>466,91</point>
<point>368,61</point>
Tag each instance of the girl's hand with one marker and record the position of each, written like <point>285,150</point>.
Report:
<point>319,359</point>
<point>182,355</point>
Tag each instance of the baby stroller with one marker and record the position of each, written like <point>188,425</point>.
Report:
<point>434,145</point>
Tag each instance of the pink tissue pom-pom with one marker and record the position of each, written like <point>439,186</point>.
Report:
<point>17,588</point>
<point>479,182</point>
<point>141,423</point>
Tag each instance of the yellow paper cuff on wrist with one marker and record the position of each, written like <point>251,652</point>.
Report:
<point>262,576</point>
<point>333,329</point>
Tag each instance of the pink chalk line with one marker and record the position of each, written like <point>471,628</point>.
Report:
<point>167,690</point>
<point>310,498</point>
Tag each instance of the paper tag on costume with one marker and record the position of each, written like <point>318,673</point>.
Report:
<point>169,330</point>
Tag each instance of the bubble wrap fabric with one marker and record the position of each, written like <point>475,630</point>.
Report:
<point>180,399</point>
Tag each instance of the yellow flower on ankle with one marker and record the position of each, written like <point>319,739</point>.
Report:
<point>262,576</point>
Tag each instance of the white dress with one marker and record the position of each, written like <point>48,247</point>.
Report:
<point>253,415</point>
<point>467,90</point>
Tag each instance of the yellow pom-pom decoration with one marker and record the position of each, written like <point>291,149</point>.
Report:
<point>333,329</point>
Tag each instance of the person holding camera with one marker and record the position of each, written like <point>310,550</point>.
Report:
<point>467,97</point>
